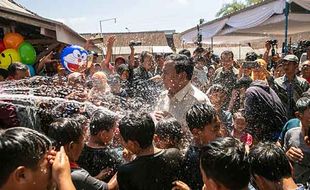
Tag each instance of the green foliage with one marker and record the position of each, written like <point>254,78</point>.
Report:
<point>229,8</point>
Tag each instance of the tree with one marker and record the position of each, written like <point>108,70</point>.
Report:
<point>253,2</point>
<point>236,5</point>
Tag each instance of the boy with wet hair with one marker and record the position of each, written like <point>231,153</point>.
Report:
<point>224,165</point>
<point>70,134</point>
<point>98,157</point>
<point>152,168</point>
<point>270,168</point>
<point>204,124</point>
<point>27,162</point>
<point>294,144</point>
<point>169,134</point>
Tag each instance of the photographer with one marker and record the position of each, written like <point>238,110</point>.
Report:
<point>267,50</point>
<point>271,45</point>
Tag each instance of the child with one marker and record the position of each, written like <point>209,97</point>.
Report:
<point>204,124</point>
<point>224,165</point>
<point>168,134</point>
<point>218,97</point>
<point>70,134</point>
<point>27,162</point>
<point>153,168</point>
<point>100,87</point>
<point>295,142</point>
<point>239,130</point>
<point>97,155</point>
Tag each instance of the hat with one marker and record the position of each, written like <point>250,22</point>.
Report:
<point>122,68</point>
<point>96,64</point>
<point>211,66</point>
<point>307,62</point>
<point>292,58</point>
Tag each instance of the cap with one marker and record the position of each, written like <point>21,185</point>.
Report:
<point>122,68</point>
<point>96,64</point>
<point>292,58</point>
<point>307,62</point>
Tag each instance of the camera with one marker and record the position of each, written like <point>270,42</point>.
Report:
<point>135,43</point>
<point>273,42</point>
<point>300,47</point>
<point>250,65</point>
<point>251,56</point>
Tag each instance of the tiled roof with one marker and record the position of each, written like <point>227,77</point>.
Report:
<point>10,4</point>
<point>156,38</point>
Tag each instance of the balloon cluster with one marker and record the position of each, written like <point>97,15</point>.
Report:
<point>13,48</point>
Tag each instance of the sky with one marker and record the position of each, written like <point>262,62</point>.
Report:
<point>131,15</point>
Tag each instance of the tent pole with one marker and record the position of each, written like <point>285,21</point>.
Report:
<point>239,51</point>
<point>211,43</point>
<point>287,7</point>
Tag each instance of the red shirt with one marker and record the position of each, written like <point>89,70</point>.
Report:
<point>245,138</point>
<point>74,165</point>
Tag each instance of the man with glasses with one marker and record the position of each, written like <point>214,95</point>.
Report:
<point>305,70</point>
<point>290,87</point>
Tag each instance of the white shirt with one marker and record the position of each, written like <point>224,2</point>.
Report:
<point>181,102</point>
<point>201,76</point>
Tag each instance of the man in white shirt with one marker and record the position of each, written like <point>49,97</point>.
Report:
<point>180,95</point>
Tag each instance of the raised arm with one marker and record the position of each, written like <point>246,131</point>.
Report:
<point>43,61</point>
<point>266,54</point>
<point>107,60</point>
<point>132,57</point>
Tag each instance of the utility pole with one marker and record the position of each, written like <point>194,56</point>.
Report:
<point>199,35</point>
<point>101,36</point>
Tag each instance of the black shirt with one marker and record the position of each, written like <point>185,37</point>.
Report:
<point>151,172</point>
<point>264,112</point>
<point>94,160</point>
<point>82,180</point>
<point>191,175</point>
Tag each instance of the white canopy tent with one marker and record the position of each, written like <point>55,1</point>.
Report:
<point>258,22</point>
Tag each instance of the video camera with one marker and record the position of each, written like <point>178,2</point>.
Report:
<point>135,43</point>
<point>300,48</point>
<point>272,42</point>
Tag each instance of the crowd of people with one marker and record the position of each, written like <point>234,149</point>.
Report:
<point>180,121</point>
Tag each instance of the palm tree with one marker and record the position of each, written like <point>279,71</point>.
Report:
<point>236,5</point>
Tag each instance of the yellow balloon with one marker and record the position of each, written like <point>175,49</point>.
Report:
<point>7,57</point>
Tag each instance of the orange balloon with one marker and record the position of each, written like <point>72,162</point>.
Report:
<point>12,40</point>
